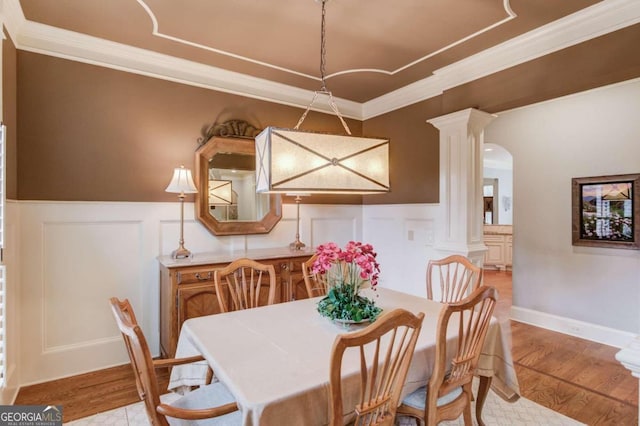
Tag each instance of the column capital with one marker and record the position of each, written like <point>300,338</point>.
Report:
<point>473,118</point>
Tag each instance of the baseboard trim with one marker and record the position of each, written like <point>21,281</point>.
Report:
<point>9,393</point>
<point>73,374</point>
<point>581,329</point>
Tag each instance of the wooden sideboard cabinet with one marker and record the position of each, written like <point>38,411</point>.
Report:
<point>499,242</point>
<point>187,289</point>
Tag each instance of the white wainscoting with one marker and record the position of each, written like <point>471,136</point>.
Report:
<point>403,236</point>
<point>74,256</point>
<point>68,258</point>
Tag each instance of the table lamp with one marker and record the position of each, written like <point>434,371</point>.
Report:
<point>181,183</point>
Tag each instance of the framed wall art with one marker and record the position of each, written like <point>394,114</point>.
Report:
<point>606,211</point>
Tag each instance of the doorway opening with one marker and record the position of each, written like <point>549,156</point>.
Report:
<point>490,201</point>
<point>498,207</point>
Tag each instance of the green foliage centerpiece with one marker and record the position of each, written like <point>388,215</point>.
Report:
<point>347,271</point>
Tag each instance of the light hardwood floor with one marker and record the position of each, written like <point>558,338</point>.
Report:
<point>575,377</point>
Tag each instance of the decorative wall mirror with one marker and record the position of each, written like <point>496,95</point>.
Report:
<point>227,203</point>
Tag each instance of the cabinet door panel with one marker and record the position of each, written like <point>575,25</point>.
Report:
<point>299,288</point>
<point>495,253</point>
<point>291,279</point>
<point>196,301</point>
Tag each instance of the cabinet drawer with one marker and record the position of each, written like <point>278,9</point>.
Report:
<point>493,238</point>
<point>190,277</point>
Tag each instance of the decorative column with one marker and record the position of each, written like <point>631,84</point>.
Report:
<point>629,357</point>
<point>460,225</point>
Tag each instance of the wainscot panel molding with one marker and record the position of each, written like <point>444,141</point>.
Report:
<point>403,236</point>
<point>73,256</point>
<point>89,251</point>
<point>69,254</point>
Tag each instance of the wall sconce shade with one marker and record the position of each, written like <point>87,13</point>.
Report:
<point>298,161</point>
<point>220,192</point>
<point>182,182</point>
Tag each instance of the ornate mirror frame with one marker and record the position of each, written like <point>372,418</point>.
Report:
<point>234,136</point>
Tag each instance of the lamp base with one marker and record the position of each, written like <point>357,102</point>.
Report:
<point>180,253</point>
<point>297,245</point>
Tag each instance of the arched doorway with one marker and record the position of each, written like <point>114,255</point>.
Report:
<point>498,221</point>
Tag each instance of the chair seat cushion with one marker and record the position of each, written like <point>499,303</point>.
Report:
<point>209,396</point>
<point>418,398</point>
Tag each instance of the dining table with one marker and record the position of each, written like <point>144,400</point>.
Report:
<point>275,359</point>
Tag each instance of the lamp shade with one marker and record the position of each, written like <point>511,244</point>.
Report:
<point>220,192</point>
<point>182,182</point>
<point>298,161</point>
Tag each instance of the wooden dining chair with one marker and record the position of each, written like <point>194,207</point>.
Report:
<point>212,402</point>
<point>316,284</point>
<point>245,280</point>
<point>385,349</point>
<point>448,393</point>
<point>456,275</point>
<point>126,311</point>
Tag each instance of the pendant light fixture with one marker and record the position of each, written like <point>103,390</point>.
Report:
<point>296,161</point>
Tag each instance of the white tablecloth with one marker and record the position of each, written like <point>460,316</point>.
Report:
<point>275,359</point>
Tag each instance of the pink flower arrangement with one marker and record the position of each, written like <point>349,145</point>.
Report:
<point>355,264</point>
<point>346,271</point>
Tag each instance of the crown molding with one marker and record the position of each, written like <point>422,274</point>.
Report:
<point>13,17</point>
<point>599,19</point>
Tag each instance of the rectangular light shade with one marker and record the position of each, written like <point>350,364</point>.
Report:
<point>220,192</point>
<point>296,161</point>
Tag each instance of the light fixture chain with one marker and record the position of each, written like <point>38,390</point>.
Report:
<point>334,107</point>
<point>323,90</point>
<point>323,47</point>
<point>304,114</point>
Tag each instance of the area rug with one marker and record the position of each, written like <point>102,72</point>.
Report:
<point>496,412</point>
<point>523,412</point>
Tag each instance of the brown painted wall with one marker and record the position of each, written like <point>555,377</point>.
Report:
<point>604,60</point>
<point>97,134</point>
<point>414,168</point>
<point>414,143</point>
<point>92,133</point>
<point>9,115</point>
